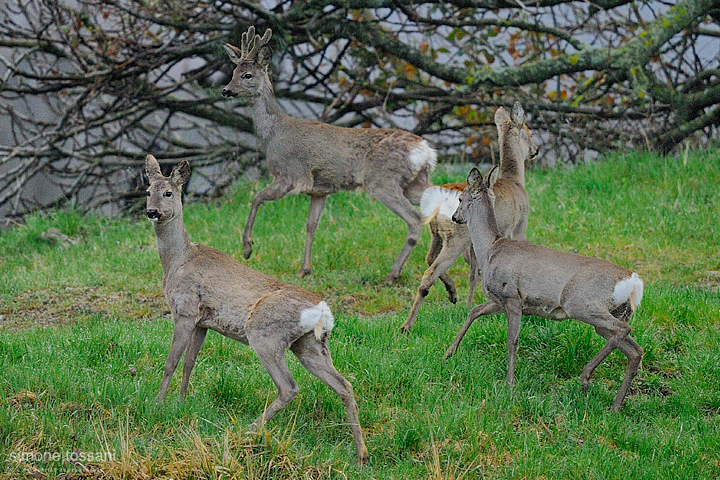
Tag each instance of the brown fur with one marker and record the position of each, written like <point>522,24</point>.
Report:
<point>521,278</point>
<point>449,241</point>
<point>317,159</point>
<point>207,289</point>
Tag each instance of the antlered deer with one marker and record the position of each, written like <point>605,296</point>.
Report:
<point>318,159</point>
<point>521,278</point>
<point>450,240</point>
<point>207,289</point>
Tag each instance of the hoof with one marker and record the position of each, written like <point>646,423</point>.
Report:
<point>304,272</point>
<point>391,279</point>
<point>450,352</point>
<point>405,329</point>
<point>247,249</point>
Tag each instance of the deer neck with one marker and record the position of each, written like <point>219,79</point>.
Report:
<point>483,230</point>
<point>512,165</point>
<point>267,114</point>
<point>173,243</point>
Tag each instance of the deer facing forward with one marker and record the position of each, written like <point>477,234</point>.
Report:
<point>318,159</point>
<point>521,278</point>
<point>207,289</point>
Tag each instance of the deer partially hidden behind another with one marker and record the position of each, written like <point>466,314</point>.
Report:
<point>451,240</point>
<point>207,289</point>
<point>521,278</point>
<point>318,159</point>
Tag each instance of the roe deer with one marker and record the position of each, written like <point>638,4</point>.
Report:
<point>521,278</point>
<point>207,289</point>
<point>318,159</point>
<point>450,240</point>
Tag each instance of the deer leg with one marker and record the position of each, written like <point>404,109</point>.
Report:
<point>611,329</point>
<point>317,204</point>
<point>513,311</point>
<point>634,353</point>
<point>487,308</point>
<point>452,249</point>
<point>394,200</point>
<point>182,332</point>
<point>436,246</point>
<point>315,357</point>
<point>191,353</point>
<point>272,359</point>
<point>473,275</point>
<point>274,191</point>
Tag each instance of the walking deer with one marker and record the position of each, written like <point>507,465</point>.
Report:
<point>450,240</point>
<point>318,159</point>
<point>207,289</point>
<point>521,278</point>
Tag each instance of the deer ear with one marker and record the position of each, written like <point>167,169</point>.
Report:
<point>501,117</point>
<point>152,168</point>
<point>180,174</point>
<point>491,177</point>
<point>233,52</point>
<point>518,114</point>
<point>473,178</point>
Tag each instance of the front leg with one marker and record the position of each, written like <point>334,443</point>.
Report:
<point>487,308</point>
<point>513,310</point>
<point>191,353</point>
<point>274,191</point>
<point>184,326</point>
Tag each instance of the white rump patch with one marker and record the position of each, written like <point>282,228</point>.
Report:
<point>318,318</point>
<point>629,289</point>
<point>423,155</point>
<point>444,200</point>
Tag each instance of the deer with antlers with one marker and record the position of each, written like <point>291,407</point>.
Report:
<point>317,159</point>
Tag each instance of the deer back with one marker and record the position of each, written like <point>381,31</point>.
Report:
<point>324,158</point>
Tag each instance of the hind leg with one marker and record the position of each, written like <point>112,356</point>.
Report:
<point>317,204</point>
<point>392,197</point>
<point>436,245</point>
<point>315,357</point>
<point>451,251</point>
<point>634,353</point>
<point>272,358</point>
<point>628,346</point>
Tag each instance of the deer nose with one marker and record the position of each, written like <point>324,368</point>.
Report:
<point>227,93</point>
<point>533,151</point>
<point>152,213</point>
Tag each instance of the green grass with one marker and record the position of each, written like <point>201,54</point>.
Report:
<point>85,332</point>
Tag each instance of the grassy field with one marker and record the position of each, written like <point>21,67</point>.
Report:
<point>84,332</point>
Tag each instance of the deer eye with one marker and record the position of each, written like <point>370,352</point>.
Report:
<point>148,193</point>
<point>167,194</point>
<point>247,76</point>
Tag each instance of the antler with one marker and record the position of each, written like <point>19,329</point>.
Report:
<point>250,43</point>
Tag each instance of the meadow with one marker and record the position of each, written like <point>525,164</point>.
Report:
<point>84,331</point>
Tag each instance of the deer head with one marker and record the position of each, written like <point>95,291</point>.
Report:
<point>164,195</point>
<point>251,60</point>
<point>513,132</point>
<point>478,190</point>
